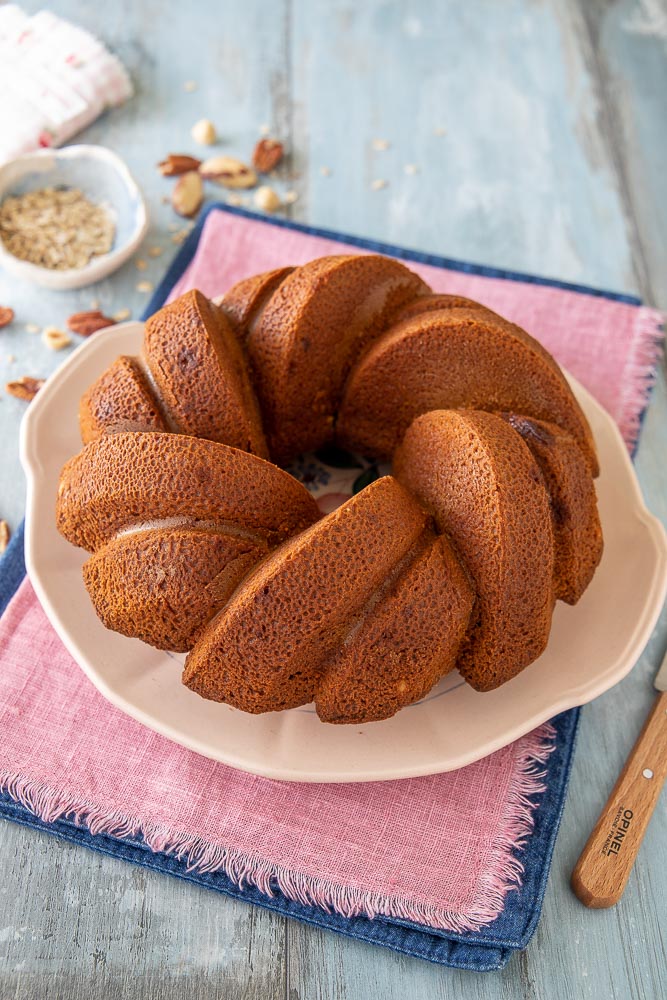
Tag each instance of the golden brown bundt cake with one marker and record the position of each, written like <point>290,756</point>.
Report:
<point>408,638</point>
<point>456,358</point>
<point>174,523</point>
<point>266,649</point>
<point>204,547</point>
<point>120,400</point>
<point>307,336</point>
<point>574,511</point>
<point>476,476</point>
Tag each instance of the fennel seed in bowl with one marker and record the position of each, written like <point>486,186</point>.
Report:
<point>56,228</point>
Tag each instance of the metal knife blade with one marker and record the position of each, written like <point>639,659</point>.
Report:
<point>660,681</point>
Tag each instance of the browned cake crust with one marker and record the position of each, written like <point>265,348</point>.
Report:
<point>127,480</point>
<point>265,650</point>
<point>435,302</point>
<point>406,640</point>
<point>174,523</point>
<point>453,359</point>
<point>200,373</point>
<point>480,481</point>
<point>574,511</point>
<point>163,585</point>
<point>244,300</point>
<point>307,336</point>
<point>120,400</point>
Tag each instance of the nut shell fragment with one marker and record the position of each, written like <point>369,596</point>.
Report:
<point>229,172</point>
<point>56,339</point>
<point>188,194</point>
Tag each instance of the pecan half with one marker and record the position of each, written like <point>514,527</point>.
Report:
<point>85,323</point>
<point>6,316</point>
<point>25,387</point>
<point>4,535</point>
<point>267,155</point>
<point>178,163</point>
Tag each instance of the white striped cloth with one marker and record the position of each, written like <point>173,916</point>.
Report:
<point>55,78</point>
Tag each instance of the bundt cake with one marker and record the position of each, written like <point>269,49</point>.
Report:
<point>200,544</point>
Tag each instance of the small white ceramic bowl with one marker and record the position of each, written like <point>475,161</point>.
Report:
<point>103,178</point>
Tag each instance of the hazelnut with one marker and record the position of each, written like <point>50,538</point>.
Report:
<point>266,199</point>
<point>203,132</point>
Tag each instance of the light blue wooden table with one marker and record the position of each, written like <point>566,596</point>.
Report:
<point>552,160</point>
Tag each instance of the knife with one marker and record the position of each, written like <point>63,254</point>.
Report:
<point>606,861</point>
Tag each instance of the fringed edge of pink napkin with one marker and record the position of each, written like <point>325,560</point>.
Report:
<point>502,873</point>
<point>640,372</point>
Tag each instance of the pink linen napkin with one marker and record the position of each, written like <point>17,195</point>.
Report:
<point>440,850</point>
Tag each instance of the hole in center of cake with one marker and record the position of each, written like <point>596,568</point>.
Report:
<point>333,475</point>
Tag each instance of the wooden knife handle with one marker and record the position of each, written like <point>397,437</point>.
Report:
<point>606,861</point>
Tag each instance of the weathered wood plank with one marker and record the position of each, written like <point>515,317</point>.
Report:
<point>89,923</point>
<point>520,179</point>
<point>627,46</point>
